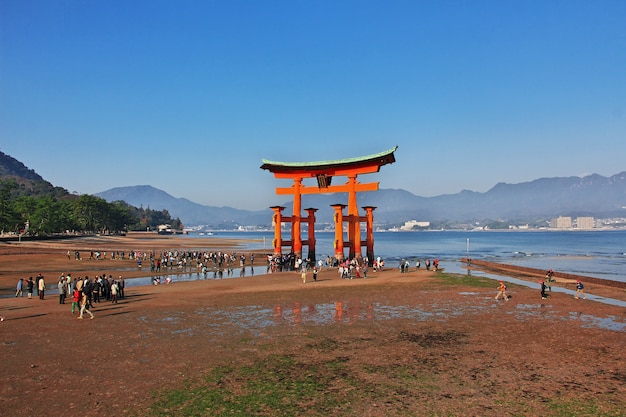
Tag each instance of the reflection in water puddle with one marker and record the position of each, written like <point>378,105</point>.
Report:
<point>195,276</point>
<point>257,319</point>
<point>528,311</point>
<point>603,323</point>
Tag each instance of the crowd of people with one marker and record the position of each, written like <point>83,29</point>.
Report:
<point>83,292</point>
<point>221,262</point>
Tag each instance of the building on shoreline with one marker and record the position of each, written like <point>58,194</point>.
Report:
<point>585,223</point>
<point>561,222</point>
<point>414,224</point>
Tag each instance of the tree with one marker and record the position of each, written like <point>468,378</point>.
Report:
<point>8,217</point>
<point>56,211</point>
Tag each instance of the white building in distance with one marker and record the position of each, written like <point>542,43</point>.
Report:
<point>411,224</point>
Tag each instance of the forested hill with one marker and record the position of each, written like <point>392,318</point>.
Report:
<point>26,181</point>
<point>31,206</point>
<point>11,167</point>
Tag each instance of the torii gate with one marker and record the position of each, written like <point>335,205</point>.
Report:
<point>324,171</point>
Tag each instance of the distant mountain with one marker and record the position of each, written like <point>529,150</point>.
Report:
<point>531,202</point>
<point>541,199</point>
<point>190,213</point>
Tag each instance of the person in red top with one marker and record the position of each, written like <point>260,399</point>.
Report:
<point>502,292</point>
<point>75,300</point>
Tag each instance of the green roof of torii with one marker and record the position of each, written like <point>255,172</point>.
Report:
<point>381,158</point>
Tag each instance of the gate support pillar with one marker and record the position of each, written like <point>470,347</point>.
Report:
<point>277,222</point>
<point>369,242</point>
<point>311,232</point>
<point>338,217</point>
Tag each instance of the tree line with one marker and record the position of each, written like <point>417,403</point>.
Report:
<point>55,213</point>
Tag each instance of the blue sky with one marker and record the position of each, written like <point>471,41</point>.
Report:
<point>190,96</point>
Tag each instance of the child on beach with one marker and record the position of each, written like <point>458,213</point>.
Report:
<point>580,290</point>
<point>543,290</point>
<point>18,290</point>
<point>29,286</point>
<point>75,300</point>
<point>549,278</point>
<point>502,292</point>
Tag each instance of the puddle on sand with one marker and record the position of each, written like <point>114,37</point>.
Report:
<point>194,275</point>
<point>256,318</point>
<point>589,321</point>
<point>183,331</point>
<point>528,311</point>
<point>524,311</point>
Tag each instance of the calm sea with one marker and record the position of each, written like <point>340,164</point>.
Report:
<point>600,254</point>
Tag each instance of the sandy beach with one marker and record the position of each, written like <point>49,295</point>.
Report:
<point>458,351</point>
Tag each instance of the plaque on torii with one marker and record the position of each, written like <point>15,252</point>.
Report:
<point>324,172</point>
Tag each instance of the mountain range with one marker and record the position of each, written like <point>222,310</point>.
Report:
<point>529,202</point>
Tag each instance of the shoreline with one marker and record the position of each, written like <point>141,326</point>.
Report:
<point>21,260</point>
<point>559,277</point>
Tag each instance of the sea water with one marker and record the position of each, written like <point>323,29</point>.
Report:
<point>600,254</point>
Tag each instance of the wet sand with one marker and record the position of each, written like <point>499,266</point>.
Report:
<point>480,353</point>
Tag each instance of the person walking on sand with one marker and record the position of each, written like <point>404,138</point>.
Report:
<point>62,289</point>
<point>502,292</point>
<point>83,306</point>
<point>41,286</point>
<point>549,278</point>
<point>304,275</point>
<point>39,276</point>
<point>114,292</point>
<point>76,300</point>
<point>68,285</point>
<point>543,290</point>
<point>120,285</point>
<point>19,289</point>
<point>29,287</point>
<point>580,290</point>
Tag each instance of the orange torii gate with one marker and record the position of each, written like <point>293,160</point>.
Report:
<point>324,171</point>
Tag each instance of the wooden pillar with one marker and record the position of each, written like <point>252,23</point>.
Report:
<point>296,238</point>
<point>338,217</point>
<point>354,227</point>
<point>369,243</point>
<point>277,221</point>
<point>311,232</point>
